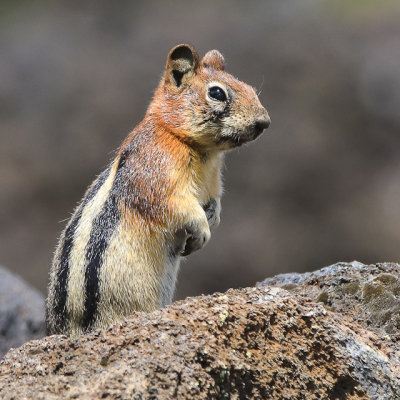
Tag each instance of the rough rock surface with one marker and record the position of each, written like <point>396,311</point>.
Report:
<point>369,294</point>
<point>254,343</point>
<point>21,312</point>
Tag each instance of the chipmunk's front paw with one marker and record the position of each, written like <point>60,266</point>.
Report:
<point>213,210</point>
<point>198,235</point>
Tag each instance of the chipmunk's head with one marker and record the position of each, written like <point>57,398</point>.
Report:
<point>206,106</point>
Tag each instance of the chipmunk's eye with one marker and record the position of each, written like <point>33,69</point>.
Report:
<point>215,92</point>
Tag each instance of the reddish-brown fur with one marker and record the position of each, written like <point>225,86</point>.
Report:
<point>174,142</point>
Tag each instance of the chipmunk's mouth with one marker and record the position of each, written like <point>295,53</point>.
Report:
<point>238,138</point>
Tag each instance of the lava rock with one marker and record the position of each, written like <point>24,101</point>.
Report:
<point>367,294</point>
<point>253,343</point>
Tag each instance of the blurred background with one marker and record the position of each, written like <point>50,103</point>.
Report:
<point>321,185</point>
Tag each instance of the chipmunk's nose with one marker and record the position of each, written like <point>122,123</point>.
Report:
<point>261,122</point>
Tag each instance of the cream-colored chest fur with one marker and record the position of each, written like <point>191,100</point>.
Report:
<point>202,183</point>
<point>204,178</point>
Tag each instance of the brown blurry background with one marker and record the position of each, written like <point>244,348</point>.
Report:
<point>321,185</point>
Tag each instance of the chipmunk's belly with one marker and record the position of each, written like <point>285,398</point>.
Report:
<point>130,277</point>
<point>168,281</point>
<point>175,245</point>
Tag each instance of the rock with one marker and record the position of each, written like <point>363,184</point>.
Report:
<point>21,312</point>
<point>368,294</point>
<point>252,343</point>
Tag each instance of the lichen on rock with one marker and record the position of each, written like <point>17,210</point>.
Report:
<point>370,294</point>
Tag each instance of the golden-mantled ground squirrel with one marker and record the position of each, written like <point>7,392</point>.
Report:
<point>157,201</point>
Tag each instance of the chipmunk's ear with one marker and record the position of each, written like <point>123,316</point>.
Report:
<point>214,59</point>
<point>182,64</point>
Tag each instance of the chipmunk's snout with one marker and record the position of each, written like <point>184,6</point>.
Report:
<point>262,121</point>
<point>251,130</point>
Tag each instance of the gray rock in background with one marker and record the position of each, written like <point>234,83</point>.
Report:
<point>21,312</point>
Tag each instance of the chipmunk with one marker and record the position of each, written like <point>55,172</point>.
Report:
<point>158,199</point>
